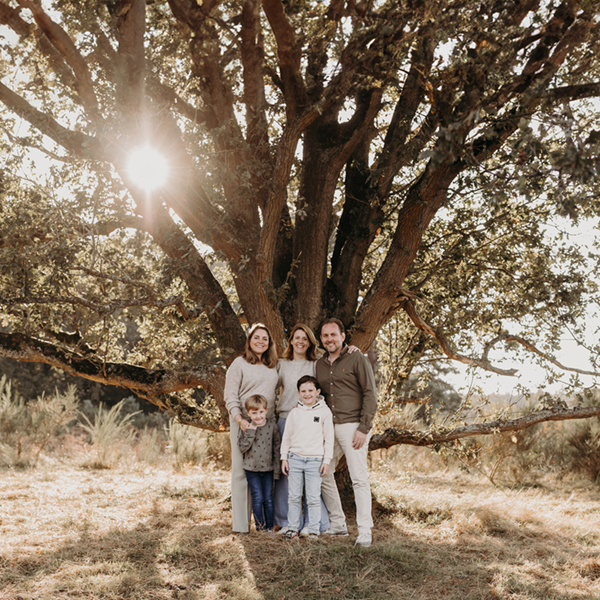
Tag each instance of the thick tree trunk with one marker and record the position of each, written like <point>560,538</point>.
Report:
<point>312,229</point>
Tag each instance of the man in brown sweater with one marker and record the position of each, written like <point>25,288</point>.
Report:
<point>348,383</point>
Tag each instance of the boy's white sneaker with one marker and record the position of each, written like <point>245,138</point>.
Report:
<point>304,532</point>
<point>363,539</point>
<point>282,531</point>
<point>337,532</point>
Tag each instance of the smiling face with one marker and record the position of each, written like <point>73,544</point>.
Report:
<point>300,343</point>
<point>332,339</point>
<point>308,392</point>
<point>258,416</point>
<point>259,342</point>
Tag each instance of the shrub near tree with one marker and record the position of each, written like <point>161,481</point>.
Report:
<point>412,163</point>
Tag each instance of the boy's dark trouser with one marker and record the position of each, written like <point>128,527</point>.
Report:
<point>261,491</point>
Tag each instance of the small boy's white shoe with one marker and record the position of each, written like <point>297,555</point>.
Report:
<point>304,532</point>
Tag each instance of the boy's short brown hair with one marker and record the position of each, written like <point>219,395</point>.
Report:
<point>308,379</point>
<point>255,402</point>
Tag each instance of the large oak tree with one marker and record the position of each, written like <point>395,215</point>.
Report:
<point>395,161</point>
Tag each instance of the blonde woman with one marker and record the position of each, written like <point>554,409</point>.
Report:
<point>255,372</point>
<point>299,359</point>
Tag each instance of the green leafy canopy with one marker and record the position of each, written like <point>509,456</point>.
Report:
<point>417,169</point>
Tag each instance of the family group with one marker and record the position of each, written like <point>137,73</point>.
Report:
<point>326,405</point>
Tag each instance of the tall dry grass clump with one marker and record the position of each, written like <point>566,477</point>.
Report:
<point>26,428</point>
<point>191,446</point>
<point>185,443</point>
<point>111,435</point>
<point>107,435</point>
<point>150,446</point>
<point>584,443</point>
<point>527,457</point>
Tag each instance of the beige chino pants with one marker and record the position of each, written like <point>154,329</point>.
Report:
<point>359,474</point>
<point>241,504</point>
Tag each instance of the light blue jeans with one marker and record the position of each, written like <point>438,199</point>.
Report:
<point>280,499</point>
<point>304,473</point>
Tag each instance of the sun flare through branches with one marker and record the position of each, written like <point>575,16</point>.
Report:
<point>147,168</point>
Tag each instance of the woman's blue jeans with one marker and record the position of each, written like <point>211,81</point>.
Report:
<point>261,492</point>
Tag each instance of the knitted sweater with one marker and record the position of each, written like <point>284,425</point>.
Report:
<point>243,380</point>
<point>261,447</point>
<point>309,432</point>
<point>289,372</point>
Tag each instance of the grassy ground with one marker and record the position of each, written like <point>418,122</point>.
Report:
<point>152,533</point>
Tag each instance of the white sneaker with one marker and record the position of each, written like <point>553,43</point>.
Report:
<point>304,532</point>
<point>363,539</point>
<point>282,531</point>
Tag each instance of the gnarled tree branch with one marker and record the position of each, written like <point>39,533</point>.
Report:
<point>64,44</point>
<point>507,337</point>
<point>150,383</point>
<point>130,71</point>
<point>409,307</point>
<point>11,17</point>
<point>391,437</point>
<point>288,51</point>
<point>110,306</point>
<point>76,143</point>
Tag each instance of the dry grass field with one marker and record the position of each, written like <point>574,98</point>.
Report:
<point>152,532</point>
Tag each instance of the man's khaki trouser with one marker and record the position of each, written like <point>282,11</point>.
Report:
<point>357,467</point>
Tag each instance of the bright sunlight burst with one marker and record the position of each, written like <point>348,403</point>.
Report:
<point>148,168</point>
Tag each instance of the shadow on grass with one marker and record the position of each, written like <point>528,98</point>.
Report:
<point>189,552</point>
<point>167,555</point>
<point>407,566</point>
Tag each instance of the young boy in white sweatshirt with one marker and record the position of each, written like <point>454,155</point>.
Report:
<point>306,450</point>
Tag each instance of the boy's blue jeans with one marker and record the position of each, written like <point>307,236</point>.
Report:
<point>280,497</point>
<point>304,473</point>
<point>261,492</point>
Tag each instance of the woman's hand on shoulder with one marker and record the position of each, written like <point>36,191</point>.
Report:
<point>353,348</point>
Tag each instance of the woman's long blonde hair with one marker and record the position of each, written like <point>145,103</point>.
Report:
<point>269,356</point>
<point>313,351</point>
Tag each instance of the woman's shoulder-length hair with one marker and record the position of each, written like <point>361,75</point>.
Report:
<point>269,356</point>
<point>313,351</point>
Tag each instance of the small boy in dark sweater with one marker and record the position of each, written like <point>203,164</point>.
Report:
<point>260,445</point>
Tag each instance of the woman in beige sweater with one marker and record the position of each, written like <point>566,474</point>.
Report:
<point>254,372</point>
<point>299,359</point>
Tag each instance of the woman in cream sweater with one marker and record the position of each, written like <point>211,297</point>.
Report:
<point>299,359</point>
<point>254,372</point>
